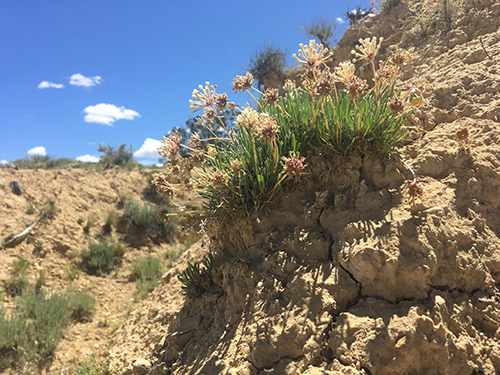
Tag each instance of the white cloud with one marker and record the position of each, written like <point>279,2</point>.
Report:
<point>106,114</point>
<point>47,84</point>
<point>39,150</point>
<point>80,80</point>
<point>149,149</point>
<point>3,161</point>
<point>340,20</point>
<point>88,158</point>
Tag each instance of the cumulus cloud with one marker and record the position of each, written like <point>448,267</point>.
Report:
<point>149,149</point>
<point>3,161</point>
<point>39,150</point>
<point>47,85</point>
<point>87,158</point>
<point>107,114</point>
<point>340,20</point>
<point>78,79</point>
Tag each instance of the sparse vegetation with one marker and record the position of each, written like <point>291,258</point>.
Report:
<point>146,272</point>
<point>146,216</point>
<point>16,286</point>
<point>110,220</point>
<point>50,210</point>
<point>357,14</point>
<point>97,363</point>
<point>111,156</point>
<point>195,279</point>
<point>33,330</point>
<point>428,13</point>
<point>73,271</point>
<point>101,257</point>
<point>31,208</point>
<point>91,222</point>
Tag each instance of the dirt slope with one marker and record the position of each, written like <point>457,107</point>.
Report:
<point>77,194</point>
<point>344,275</point>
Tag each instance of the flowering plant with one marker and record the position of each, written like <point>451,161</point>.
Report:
<point>246,169</point>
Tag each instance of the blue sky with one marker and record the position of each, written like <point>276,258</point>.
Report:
<point>78,73</point>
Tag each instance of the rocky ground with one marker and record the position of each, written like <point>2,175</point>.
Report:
<point>344,275</point>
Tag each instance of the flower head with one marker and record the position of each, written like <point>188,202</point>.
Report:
<point>401,56</point>
<point>368,49</point>
<point>248,118</point>
<point>205,97</point>
<point>312,56</point>
<point>463,135</point>
<point>414,190</point>
<point>219,178</point>
<point>242,83</point>
<point>290,87</point>
<point>161,184</point>
<point>270,96</point>
<point>170,146</point>
<point>208,114</point>
<point>266,127</point>
<point>356,87</point>
<point>324,84</point>
<point>194,141</point>
<point>386,73</point>
<point>397,105</point>
<point>344,72</point>
<point>236,165</point>
<point>294,165</point>
<point>221,102</point>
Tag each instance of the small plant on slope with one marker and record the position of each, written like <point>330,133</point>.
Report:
<point>197,279</point>
<point>334,112</point>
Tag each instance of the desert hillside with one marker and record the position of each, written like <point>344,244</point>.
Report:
<point>74,205</point>
<point>345,274</point>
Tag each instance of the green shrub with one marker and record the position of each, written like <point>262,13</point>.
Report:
<point>36,326</point>
<point>43,162</point>
<point>195,279</point>
<point>81,304</point>
<point>111,156</point>
<point>146,272</point>
<point>102,257</point>
<point>146,217</point>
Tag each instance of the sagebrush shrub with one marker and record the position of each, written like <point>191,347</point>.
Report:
<point>102,257</point>
<point>35,327</point>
